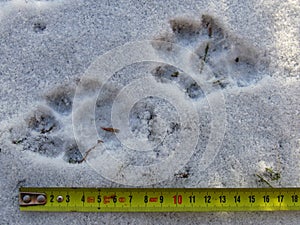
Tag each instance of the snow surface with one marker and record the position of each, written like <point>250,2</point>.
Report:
<point>209,89</point>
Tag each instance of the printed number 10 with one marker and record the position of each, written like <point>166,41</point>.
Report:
<point>177,199</point>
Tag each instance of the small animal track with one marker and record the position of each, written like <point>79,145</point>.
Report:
<point>143,119</point>
<point>60,99</point>
<point>232,62</point>
<point>185,27</point>
<point>167,73</point>
<point>46,145</point>
<point>44,132</point>
<point>212,28</point>
<point>72,153</point>
<point>42,120</point>
<point>39,27</point>
<point>144,115</point>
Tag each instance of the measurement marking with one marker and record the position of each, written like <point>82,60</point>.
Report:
<point>67,198</point>
<point>122,199</point>
<point>83,199</point>
<point>145,199</point>
<point>130,198</point>
<point>192,199</point>
<point>99,199</point>
<point>126,200</point>
<point>90,199</point>
<point>153,199</point>
<point>51,198</point>
<point>115,200</point>
<point>161,198</point>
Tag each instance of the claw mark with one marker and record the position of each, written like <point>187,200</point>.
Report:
<point>18,141</point>
<point>209,31</point>
<point>220,82</point>
<point>182,175</point>
<point>175,74</point>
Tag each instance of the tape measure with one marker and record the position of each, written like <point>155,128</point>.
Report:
<point>158,199</point>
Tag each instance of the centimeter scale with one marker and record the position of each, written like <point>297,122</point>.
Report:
<point>158,199</point>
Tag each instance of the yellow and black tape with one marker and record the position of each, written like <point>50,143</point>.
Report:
<point>65,199</point>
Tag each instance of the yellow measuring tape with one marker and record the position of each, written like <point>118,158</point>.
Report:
<point>158,199</point>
